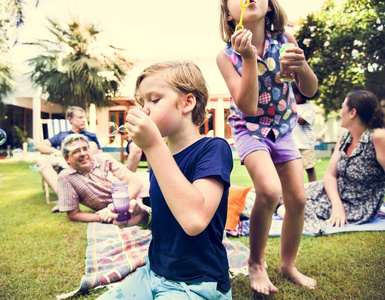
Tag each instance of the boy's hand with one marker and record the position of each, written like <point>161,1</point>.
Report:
<point>142,129</point>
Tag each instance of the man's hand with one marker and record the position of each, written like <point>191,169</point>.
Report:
<point>106,215</point>
<point>136,210</point>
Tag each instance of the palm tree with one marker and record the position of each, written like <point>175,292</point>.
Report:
<point>8,16</point>
<point>72,72</point>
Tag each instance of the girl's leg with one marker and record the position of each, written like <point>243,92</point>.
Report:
<point>293,191</point>
<point>268,191</point>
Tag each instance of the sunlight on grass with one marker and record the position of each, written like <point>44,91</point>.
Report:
<point>42,254</point>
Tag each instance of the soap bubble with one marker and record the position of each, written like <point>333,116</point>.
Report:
<point>17,153</point>
<point>34,167</point>
<point>1,178</point>
<point>113,128</point>
<point>3,136</point>
<point>123,129</point>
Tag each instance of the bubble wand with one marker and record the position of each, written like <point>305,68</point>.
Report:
<point>244,4</point>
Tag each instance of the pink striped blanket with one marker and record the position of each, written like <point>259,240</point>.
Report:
<point>112,254</point>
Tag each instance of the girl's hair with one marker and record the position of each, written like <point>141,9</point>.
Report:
<point>65,148</point>
<point>275,20</point>
<point>184,77</point>
<point>367,107</point>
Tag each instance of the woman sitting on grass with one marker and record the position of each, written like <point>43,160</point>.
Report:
<point>354,184</point>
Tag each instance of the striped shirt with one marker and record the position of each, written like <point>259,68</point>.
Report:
<point>303,134</point>
<point>92,189</point>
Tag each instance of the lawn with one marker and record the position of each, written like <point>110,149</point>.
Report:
<point>42,254</point>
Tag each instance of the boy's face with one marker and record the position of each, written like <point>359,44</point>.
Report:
<point>160,103</point>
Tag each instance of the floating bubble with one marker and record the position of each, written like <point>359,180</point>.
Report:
<point>3,136</point>
<point>34,167</point>
<point>1,178</point>
<point>123,129</point>
<point>113,128</point>
<point>17,153</point>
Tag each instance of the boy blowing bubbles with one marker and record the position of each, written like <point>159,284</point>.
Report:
<point>189,182</point>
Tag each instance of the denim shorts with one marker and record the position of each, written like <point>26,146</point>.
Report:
<point>144,284</point>
<point>281,151</point>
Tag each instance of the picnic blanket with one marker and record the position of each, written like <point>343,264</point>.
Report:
<point>378,224</point>
<point>113,253</point>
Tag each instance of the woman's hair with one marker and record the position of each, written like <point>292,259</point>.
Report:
<point>72,109</point>
<point>367,107</point>
<point>65,145</point>
<point>275,20</point>
<point>184,77</point>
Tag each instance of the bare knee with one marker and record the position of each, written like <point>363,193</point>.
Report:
<point>295,203</point>
<point>44,160</point>
<point>269,196</point>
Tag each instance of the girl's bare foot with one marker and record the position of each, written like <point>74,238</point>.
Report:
<point>259,280</point>
<point>298,278</point>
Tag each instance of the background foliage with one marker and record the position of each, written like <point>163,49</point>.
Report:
<point>344,44</point>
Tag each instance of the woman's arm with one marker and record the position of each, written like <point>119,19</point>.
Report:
<point>379,145</point>
<point>338,216</point>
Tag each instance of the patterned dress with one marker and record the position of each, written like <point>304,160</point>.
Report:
<point>361,186</point>
<point>277,109</point>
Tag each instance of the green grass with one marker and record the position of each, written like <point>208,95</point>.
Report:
<point>42,254</point>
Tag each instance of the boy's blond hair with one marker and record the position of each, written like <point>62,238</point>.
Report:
<point>184,77</point>
<point>276,20</point>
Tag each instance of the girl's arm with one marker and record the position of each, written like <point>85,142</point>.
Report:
<point>379,145</point>
<point>305,78</point>
<point>338,216</point>
<point>243,89</point>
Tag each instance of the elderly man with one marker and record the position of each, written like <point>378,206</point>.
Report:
<point>77,117</point>
<point>88,181</point>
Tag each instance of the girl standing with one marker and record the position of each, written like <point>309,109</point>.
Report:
<point>262,117</point>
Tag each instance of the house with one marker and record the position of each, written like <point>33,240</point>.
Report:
<point>27,107</point>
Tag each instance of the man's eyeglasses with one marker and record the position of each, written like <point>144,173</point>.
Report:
<point>79,150</point>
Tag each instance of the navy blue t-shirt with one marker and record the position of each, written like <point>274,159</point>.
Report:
<point>175,255</point>
<point>57,139</point>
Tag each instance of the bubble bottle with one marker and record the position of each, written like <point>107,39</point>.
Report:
<point>121,201</point>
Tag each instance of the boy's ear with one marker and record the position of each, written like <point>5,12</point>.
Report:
<point>189,103</point>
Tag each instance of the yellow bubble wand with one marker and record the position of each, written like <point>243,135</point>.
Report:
<point>244,4</point>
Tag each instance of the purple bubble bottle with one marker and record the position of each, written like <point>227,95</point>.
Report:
<point>121,200</point>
